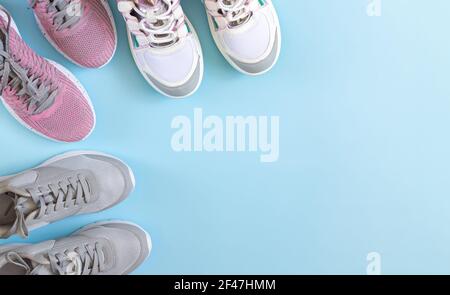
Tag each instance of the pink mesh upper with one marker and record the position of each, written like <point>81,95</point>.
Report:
<point>91,42</point>
<point>70,118</point>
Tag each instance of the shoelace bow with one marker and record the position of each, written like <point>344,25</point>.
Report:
<point>66,13</point>
<point>83,260</point>
<point>65,194</point>
<point>36,94</point>
<point>160,28</point>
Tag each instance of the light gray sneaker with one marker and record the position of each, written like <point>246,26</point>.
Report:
<point>104,248</point>
<point>66,185</point>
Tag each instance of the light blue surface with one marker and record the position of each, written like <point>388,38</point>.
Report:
<point>364,106</point>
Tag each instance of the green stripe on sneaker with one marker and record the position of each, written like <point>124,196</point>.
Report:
<point>216,25</point>
<point>135,41</point>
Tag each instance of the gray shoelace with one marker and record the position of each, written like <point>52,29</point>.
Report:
<point>66,13</point>
<point>86,259</point>
<point>83,260</point>
<point>34,92</point>
<point>67,193</point>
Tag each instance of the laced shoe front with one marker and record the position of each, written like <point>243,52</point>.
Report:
<point>43,203</point>
<point>85,258</point>
<point>104,248</point>
<point>66,185</point>
<point>164,45</point>
<point>39,93</point>
<point>82,30</point>
<point>247,32</point>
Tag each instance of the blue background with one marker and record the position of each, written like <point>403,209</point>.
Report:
<point>364,166</point>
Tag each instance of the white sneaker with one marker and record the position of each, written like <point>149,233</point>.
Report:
<point>164,45</point>
<point>247,32</point>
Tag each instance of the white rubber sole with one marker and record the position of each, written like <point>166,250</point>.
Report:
<point>99,223</point>
<point>227,57</point>
<point>111,17</point>
<point>202,67</point>
<point>72,154</point>
<point>71,77</point>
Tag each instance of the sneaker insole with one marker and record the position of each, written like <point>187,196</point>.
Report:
<point>7,213</point>
<point>12,270</point>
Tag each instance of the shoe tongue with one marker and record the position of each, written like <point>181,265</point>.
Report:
<point>148,4</point>
<point>30,179</point>
<point>34,256</point>
<point>155,7</point>
<point>17,184</point>
<point>15,188</point>
<point>27,204</point>
<point>37,250</point>
<point>24,209</point>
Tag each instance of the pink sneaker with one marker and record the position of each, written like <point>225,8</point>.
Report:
<point>82,30</point>
<point>39,93</point>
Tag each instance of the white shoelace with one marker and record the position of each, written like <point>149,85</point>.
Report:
<point>236,12</point>
<point>157,25</point>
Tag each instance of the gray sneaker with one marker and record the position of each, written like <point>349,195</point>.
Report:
<point>105,248</point>
<point>66,185</point>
